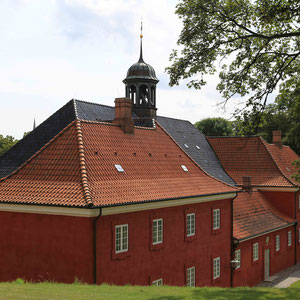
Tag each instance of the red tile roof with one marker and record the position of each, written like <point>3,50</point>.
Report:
<point>77,168</point>
<point>253,214</point>
<point>249,156</point>
<point>284,157</point>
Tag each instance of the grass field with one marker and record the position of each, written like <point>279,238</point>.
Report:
<point>51,291</point>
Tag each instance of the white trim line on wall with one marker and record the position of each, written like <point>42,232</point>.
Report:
<point>91,213</point>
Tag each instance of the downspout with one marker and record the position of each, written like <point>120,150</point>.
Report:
<point>95,245</point>
<point>296,227</point>
<point>231,243</point>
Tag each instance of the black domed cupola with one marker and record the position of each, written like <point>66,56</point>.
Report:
<point>140,84</point>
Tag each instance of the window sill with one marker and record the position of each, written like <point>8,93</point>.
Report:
<point>121,255</point>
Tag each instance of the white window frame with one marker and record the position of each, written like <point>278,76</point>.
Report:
<point>157,235</point>
<point>277,242</point>
<point>216,267</point>
<point>216,218</point>
<point>158,282</point>
<point>121,238</point>
<point>190,224</point>
<point>289,238</point>
<point>255,251</point>
<point>190,276</point>
<point>237,258</point>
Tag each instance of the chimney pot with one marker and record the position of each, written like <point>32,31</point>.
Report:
<point>247,183</point>
<point>123,115</point>
<point>277,138</point>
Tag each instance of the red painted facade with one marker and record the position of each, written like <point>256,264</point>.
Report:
<point>283,201</point>
<point>40,247</point>
<point>145,262</point>
<point>252,272</point>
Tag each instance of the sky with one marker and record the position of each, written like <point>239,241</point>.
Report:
<point>52,51</point>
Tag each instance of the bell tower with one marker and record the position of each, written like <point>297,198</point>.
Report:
<point>140,86</point>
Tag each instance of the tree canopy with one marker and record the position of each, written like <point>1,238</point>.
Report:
<point>6,143</point>
<point>215,127</point>
<point>256,42</point>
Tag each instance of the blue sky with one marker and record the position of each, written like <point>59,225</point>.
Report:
<point>55,50</point>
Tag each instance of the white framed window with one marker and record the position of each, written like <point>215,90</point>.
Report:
<point>216,218</point>
<point>121,238</point>
<point>157,231</point>
<point>255,252</point>
<point>158,282</point>
<point>190,224</point>
<point>190,276</point>
<point>277,242</point>
<point>289,238</point>
<point>216,267</point>
<point>237,258</point>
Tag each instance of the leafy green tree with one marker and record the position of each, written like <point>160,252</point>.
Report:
<point>296,176</point>
<point>256,42</point>
<point>6,143</point>
<point>215,127</point>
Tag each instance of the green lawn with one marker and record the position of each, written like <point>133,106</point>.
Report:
<point>50,291</point>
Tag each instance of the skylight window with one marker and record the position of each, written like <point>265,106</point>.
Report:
<point>119,168</point>
<point>184,168</point>
<point>186,146</point>
<point>197,147</point>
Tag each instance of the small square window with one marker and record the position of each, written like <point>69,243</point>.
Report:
<point>121,238</point>
<point>157,231</point>
<point>158,282</point>
<point>216,267</point>
<point>190,224</point>
<point>184,168</point>
<point>216,218</point>
<point>190,276</point>
<point>289,238</point>
<point>255,252</point>
<point>277,242</point>
<point>119,168</point>
<point>237,258</point>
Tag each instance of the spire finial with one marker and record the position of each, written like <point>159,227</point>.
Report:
<point>34,124</point>
<point>141,49</point>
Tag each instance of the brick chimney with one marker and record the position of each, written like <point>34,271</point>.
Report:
<point>123,115</point>
<point>277,138</point>
<point>247,184</point>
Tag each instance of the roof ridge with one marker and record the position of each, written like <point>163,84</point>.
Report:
<point>84,101</point>
<point>195,162</point>
<point>83,169</point>
<point>275,161</point>
<point>37,152</point>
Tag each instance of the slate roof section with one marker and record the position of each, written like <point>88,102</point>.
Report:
<point>195,144</point>
<point>77,169</point>
<point>248,156</point>
<point>253,214</point>
<point>81,110</point>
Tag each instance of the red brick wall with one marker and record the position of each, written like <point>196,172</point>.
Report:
<point>252,272</point>
<point>144,263</point>
<point>45,247</point>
